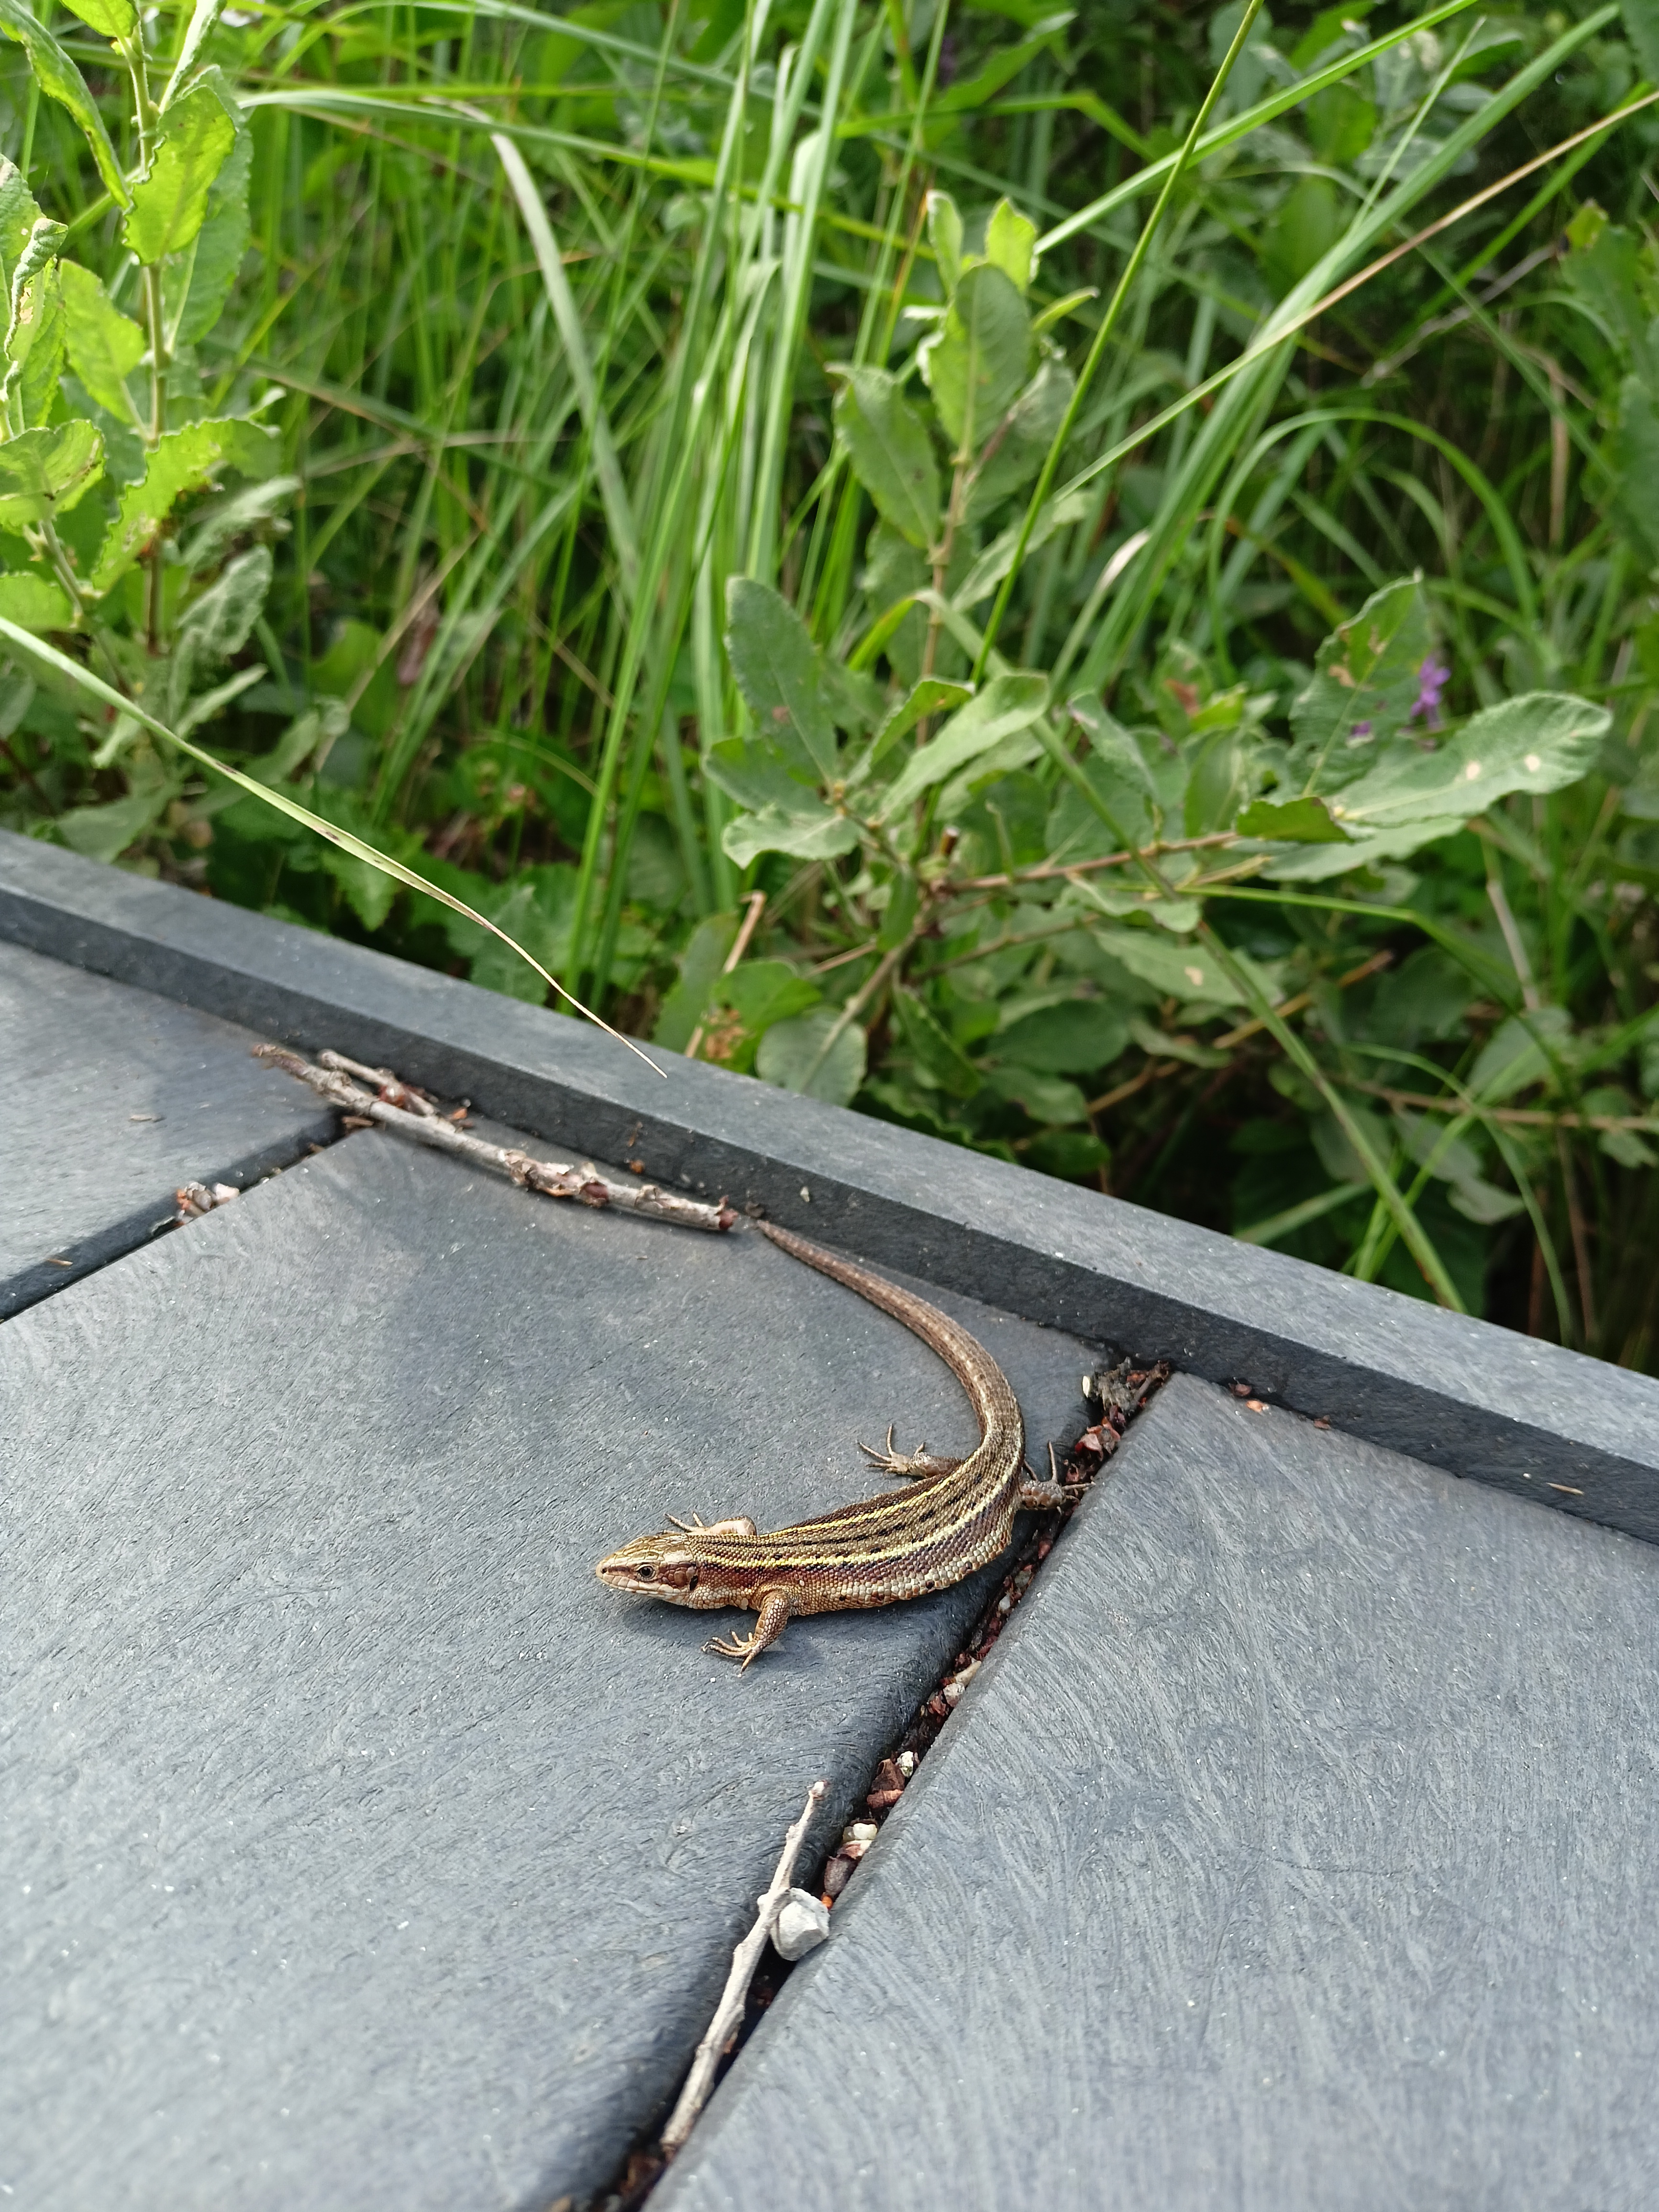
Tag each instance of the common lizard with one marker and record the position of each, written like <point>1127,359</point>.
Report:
<point>956,1515</point>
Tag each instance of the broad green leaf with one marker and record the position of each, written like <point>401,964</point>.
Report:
<point>195,289</point>
<point>762,992</point>
<point>776,666</point>
<point>1073,1038</point>
<point>1515,1056</point>
<point>45,471</point>
<point>976,364</point>
<point>1642,28</point>
<point>234,516</point>
<point>806,836</point>
<point>1011,246</point>
<point>110,19</point>
<point>892,455</point>
<point>793,1055</point>
<point>1176,970</point>
<point>218,625</point>
<point>1007,704</point>
<point>934,695</point>
<point>169,202</point>
<point>944,236</point>
<point>937,1056</point>
<point>1298,821</point>
<point>1632,458</point>
<point>1033,421</point>
<point>1115,748</point>
<point>204,17</point>
<point>18,215</point>
<point>756,775</point>
<point>60,80</point>
<point>104,833</point>
<point>183,461</point>
<point>704,956</point>
<point>995,563</point>
<point>1047,1098</point>
<point>104,346</point>
<point>220,621</point>
<point>1538,743</point>
<point>34,344</point>
<point>1367,679</point>
<point>35,603</point>
<point>526,919</point>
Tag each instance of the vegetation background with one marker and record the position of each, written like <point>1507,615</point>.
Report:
<point>1081,580</point>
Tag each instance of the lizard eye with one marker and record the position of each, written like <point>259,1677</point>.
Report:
<point>645,1574</point>
<point>691,1580</point>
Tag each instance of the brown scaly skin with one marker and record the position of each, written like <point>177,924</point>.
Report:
<point>956,1515</point>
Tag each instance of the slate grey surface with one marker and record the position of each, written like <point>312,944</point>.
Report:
<point>110,1099</point>
<point>1298,1847</point>
<point>1459,1394</point>
<point>361,1848</point>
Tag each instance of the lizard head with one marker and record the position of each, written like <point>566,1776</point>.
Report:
<point>655,1566</point>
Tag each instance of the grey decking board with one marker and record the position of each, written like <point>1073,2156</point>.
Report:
<point>81,1180</point>
<point>1297,1848</point>
<point>1479,1400</point>
<point>360,1849</point>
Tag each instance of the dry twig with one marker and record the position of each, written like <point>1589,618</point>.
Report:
<point>745,1959</point>
<point>397,1106</point>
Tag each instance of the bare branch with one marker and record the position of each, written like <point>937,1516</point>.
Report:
<point>745,1959</point>
<point>399,1107</point>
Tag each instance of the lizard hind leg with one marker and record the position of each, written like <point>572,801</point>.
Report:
<point>913,1466</point>
<point>740,1524</point>
<point>773,1612</point>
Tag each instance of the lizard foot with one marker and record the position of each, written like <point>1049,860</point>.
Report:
<point>910,1464</point>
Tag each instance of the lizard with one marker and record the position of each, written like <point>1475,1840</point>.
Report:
<point>954,1517</point>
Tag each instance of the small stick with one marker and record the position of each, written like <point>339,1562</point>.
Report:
<point>745,1959</point>
<point>555,1178</point>
<point>739,947</point>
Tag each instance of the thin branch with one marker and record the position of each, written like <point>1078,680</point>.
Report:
<point>1522,1117</point>
<point>397,1107</point>
<point>745,1959</point>
<point>739,947</point>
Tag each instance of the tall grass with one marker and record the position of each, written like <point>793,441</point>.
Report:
<point>558,310</point>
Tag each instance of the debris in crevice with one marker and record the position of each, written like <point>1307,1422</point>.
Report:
<point>1115,1395</point>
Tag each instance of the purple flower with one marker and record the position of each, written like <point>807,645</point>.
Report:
<point>1432,677</point>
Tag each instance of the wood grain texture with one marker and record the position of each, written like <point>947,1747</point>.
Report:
<point>360,1849</point>
<point>81,1179</point>
<point>1459,1394</point>
<point>1295,1850</point>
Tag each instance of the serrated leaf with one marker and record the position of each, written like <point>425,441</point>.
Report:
<point>104,346</point>
<point>976,364</point>
<point>218,625</point>
<point>60,80</point>
<point>1367,678</point>
<point>232,517</point>
<point>1642,28</point>
<point>820,835</point>
<point>776,666</point>
<point>45,471</point>
<point>762,992</point>
<point>35,603</point>
<point>886,442</point>
<point>1298,821</point>
<point>1011,245</point>
<point>19,214</point>
<point>170,200</point>
<point>34,344</point>
<point>934,1050</point>
<point>195,292</point>
<point>1007,704</point>
<point>183,461</point>
<point>793,1055</point>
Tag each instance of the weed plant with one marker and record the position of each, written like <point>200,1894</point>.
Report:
<point>1082,582</point>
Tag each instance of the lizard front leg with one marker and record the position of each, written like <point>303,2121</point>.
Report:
<point>913,1466</point>
<point>773,1612</point>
